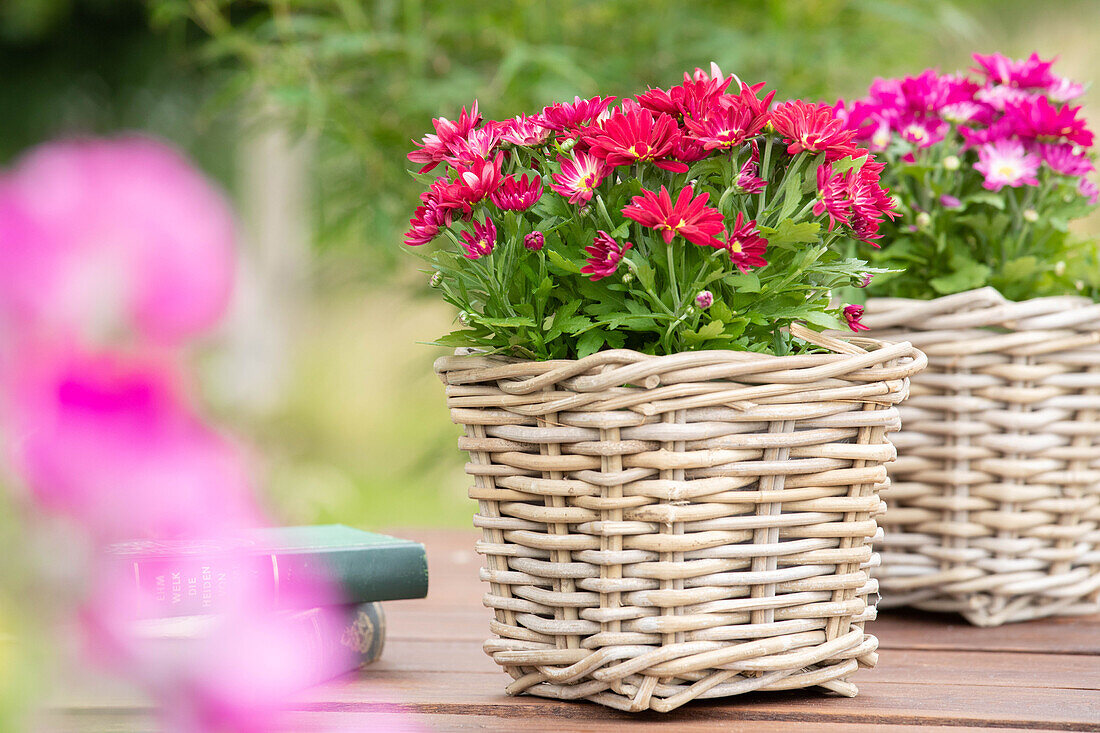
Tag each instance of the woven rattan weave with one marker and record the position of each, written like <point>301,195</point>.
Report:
<point>994,506</point>
<point>659,529</point>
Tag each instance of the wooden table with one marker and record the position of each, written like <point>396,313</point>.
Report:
<point>936,672</point>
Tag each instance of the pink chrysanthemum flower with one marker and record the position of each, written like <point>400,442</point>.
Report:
<point>745,244</point>
<point>812,127</point>
<point>523,131</point>
<point>689,217</point>
<point>604,256</point>
<point>579,177</point>
<point>1000,96</point>
<point>633,134</point>
<point>571,116</point>
<point>853,314</point>
<point>730,122</point>
<point>1006,163</point>
<point>870,201</point>
<point>1069,160</point>
<point>427,221</point>
<point>434,148</point>
<point>691,99</point>
<point>923,133</point>
<point>1063,90</point>
<point>534,241</point>
<point>1038,119</point>
<point>478,145</point>
<point>688,150</point>
<point>480,242</point>
<point>1030,73</point>
<point>517,194</point>
<point>747,180</point>
<point>1089,190</point>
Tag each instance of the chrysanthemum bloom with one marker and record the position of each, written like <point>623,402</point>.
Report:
<point>481,241</point>
<point>604,256</point>
<point>427,221</point>
<point>870,202</point>
<point>434,148</point>
<point>726,126</point>
<point>478,181</point>
<point>832,195</point>
<point>812,127</point>
<point>1089,190</point>
<point>704,299</point>
<point>1063,90</point>
<point>517,195</point>
<point>120,237</point>
<point>853,314</point>
<point>1040,120</point>
<point>1007,163</point>
<point>568,117</point>
<point>690,99</point>
<point>924,133</point>
<point>1069,160</point>
<point>478,145</point>
<point>634,135</point>
<point>580,175</point>
<point>747,180</point>
<point>524,131</point>
<point>688,150</point>
<point>534,241</point>
<point>690,217</point>
<point>745,244</point>
<point>1000,96</point>
<point>1031,73</point>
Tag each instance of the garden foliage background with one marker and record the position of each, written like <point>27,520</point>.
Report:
<point>303,109</point>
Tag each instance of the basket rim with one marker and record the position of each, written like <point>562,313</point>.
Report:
<point>612,367</point>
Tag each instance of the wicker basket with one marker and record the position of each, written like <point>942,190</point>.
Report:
<point>994,506</point>
<point>659,529</point>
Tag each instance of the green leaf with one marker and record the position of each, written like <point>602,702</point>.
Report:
<point>788,232</point>
<point>560,262</point>
<point>510,322</point>
<point>996,200</point>
<point>745,282</point>
<point>825,320</point>
<point>714,329</point>
<point>968,275</point>
<point>590,342</point>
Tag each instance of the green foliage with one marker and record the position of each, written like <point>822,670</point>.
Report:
<point>362,77</point>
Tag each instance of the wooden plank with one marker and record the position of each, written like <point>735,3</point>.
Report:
<point>879,702</point>
<point>918,667</point>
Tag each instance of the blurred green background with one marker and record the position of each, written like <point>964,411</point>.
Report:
<point>303,109</point>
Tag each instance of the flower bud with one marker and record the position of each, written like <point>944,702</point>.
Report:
<point>948,201</point>
<point>435,279</point>
<point>704,299</point>
<point>951,163</point>
<point>464,318</point>
<point>1079,284</point>
<point>534,241</point>
<point>1031,215</point>
<point>1060,268</point>
<point>865,280</point>
<point>628,277</point>
<point>568,144</point>
<point>923,220</point>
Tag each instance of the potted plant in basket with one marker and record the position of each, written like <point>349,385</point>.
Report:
<point>676,474</point>
<point>995,503</point>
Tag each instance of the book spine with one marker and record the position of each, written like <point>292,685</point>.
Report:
<point>192,585</point>
<point>340,639</point>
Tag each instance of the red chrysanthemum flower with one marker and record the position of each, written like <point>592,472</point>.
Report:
<point>478,145</point>
<point>478,181</point>
<point>580,113</point>
<point>690,217</point>
<point>579,176</point>
<point>747,180</point>
<point>480,242</point>
<point>832,196</point>
<point>691,99</point>
<point>434,148</point>
<point>812,127</point>
<point>853,314</point>
<point>633,135</point>
<point>517,194</point>
<point>745,244</point>
<point>688,150</point>
<point>604,256</point>
<point>427,221</point>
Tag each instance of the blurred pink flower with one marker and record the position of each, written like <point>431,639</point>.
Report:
<point>108,441</point>
<point>113,235</point>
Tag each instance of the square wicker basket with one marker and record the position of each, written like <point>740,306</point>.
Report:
<point>659,529</point>
<point>994,503</point>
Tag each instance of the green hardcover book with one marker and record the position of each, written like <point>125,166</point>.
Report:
<point>338,639</point>
<point>196,577</point>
